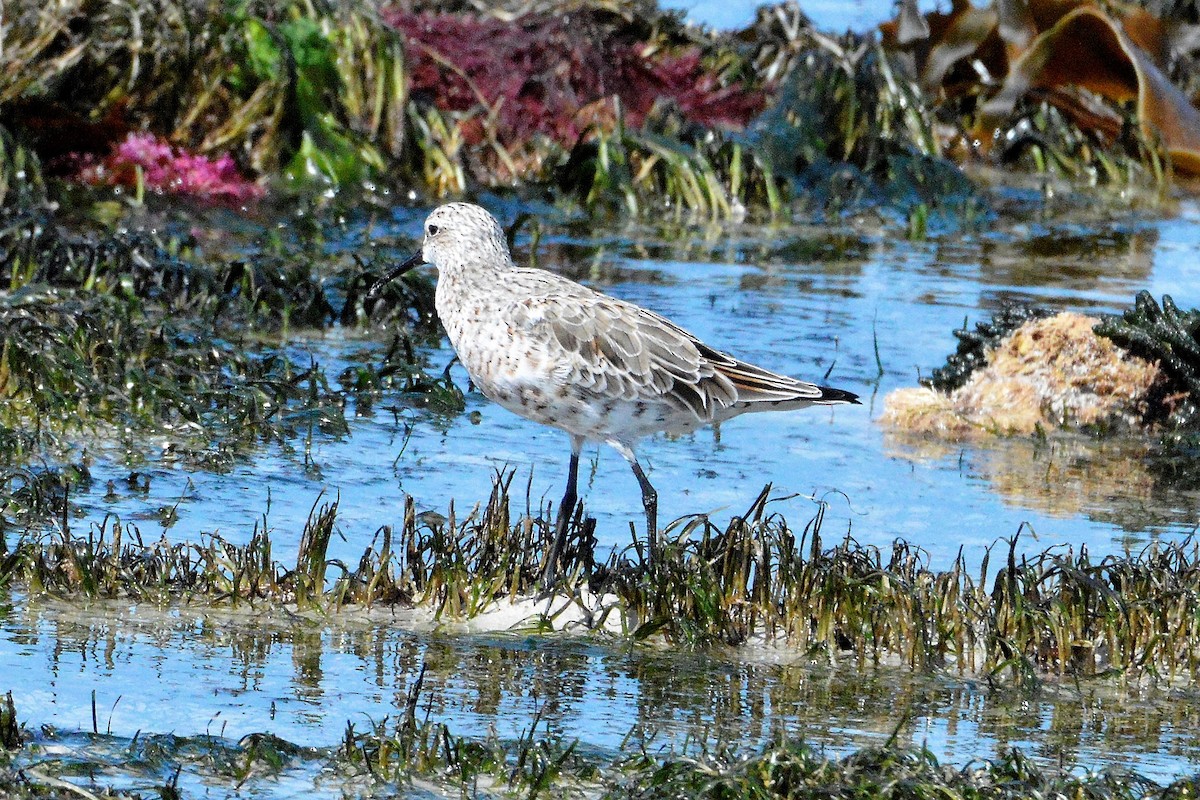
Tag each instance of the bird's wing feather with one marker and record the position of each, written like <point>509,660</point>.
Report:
<point>617,349</point>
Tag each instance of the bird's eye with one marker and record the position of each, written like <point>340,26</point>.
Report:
<point>432,230</point>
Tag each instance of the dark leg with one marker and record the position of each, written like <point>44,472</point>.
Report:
<point>649,502</point>
<point>566,509</point>
<point>649,496</point>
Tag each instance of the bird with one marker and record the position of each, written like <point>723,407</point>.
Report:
<point>597,367</point>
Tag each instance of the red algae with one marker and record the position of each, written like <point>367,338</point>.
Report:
<point>165,168</point>
<point>545,75</point>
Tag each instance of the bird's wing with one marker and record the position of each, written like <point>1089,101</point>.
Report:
<point>617,349</point>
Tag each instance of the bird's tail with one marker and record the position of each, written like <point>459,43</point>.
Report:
<point>830,396</point>
<point>760,388</point>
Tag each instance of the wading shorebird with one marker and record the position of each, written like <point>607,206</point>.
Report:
<point>599,368</point>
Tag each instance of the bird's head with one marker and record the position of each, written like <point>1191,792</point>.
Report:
<point>459,237</point>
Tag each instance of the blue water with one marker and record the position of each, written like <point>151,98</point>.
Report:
<point>744,290</point>
<point>802,299</point>
<point>191,672</point>
<point>827,15</point>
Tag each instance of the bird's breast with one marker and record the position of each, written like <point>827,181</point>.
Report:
<point>505,362</point>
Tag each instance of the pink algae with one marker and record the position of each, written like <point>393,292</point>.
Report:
<point>167,169</point>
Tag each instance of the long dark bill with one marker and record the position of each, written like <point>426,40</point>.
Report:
<point>415,261</point>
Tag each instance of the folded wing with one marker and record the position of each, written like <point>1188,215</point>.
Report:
<point>619,350</point>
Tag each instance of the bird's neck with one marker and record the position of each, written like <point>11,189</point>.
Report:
<point>468,277</point>
<point>461,287</point>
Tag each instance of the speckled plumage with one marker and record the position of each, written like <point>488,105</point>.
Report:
<point>599,368</point>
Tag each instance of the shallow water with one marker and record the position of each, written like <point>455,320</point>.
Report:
<point>804,300</point>
<point>800,300</point>
<point>191,672</point>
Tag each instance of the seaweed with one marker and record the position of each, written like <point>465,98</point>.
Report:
<point>1165,334</point>
<point>126,332</point>
<point>847,130</point>
<point>311,92</point>
<point>1055,612</point>
<point>392,755</point>
<point>22,184</point>
<point>549,74</point>
<point>10,730</point>
<point>974,345</point>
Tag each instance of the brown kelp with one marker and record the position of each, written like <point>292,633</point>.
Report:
<point>1089,90</point>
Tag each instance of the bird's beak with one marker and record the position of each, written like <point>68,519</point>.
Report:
<point>416,260</point>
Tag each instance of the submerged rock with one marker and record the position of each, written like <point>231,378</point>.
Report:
<point>1049,373</point>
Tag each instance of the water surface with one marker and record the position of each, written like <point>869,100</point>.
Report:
<point>189,671</point>
<point>816,301</point>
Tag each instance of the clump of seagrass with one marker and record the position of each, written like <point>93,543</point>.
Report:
<point>544,762</point>
<point>398,750</point>
<point>1049,373</point>
<point>849,130</point>
<point>788,767</point>
<point>975,344</point>
<point>704,585</point>
<point>21,181</point>
<point>10,730</point>
<point>456,567</point>
<point>1170,337</point>
<point>80,362</point>
<point>1057,611</point>
<point>462,565</point>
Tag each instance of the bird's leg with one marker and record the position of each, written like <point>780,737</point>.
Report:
<point>649,496</point>
<point>566,509</point>
<point>649,502</point>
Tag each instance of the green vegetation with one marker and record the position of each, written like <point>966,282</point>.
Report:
<point>128,333</point>
<point>392,756</point>
<point>644,114</point>
<point>1058,612</point>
